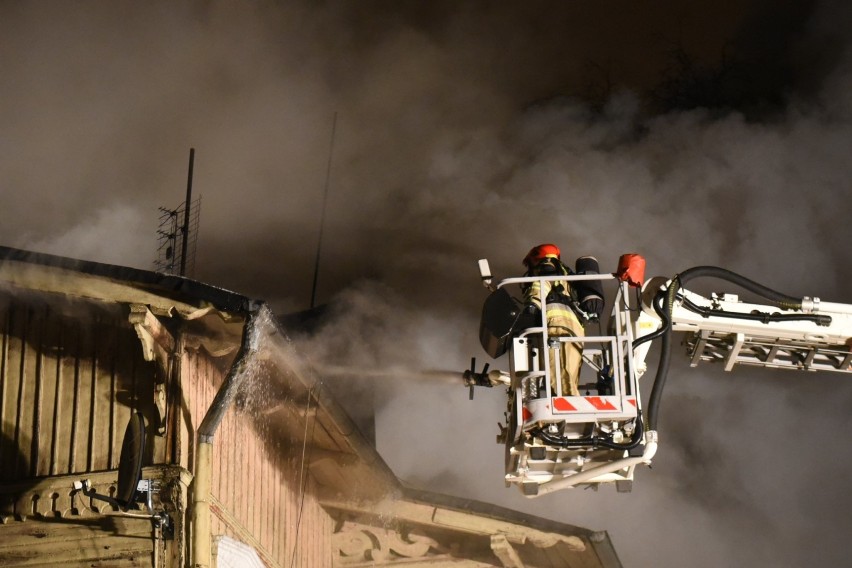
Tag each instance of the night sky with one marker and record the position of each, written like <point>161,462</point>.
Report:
<point>685,131</point>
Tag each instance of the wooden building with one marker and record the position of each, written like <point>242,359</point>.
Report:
<point>246,459</point>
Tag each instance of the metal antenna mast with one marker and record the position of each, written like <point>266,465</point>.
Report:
<point>322,215</point>
<point>176,241</point>
<point>185,229</point>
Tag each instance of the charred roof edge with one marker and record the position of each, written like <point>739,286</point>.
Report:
<point>164,283</point>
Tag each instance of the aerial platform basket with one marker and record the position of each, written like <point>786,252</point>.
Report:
<point>554,440</point>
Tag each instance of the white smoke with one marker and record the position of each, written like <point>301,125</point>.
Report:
<point>451,145</point>
<point>109,235</point>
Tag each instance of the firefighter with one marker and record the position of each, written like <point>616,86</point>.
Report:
<point>545,260</point>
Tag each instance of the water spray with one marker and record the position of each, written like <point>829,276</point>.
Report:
<point>424,375</point>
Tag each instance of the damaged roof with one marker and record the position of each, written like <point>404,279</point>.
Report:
<point>95,280</point>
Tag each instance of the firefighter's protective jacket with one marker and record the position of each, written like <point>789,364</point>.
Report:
<point>561,321</point>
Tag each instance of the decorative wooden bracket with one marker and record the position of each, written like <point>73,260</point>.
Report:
<point>158,345</point>
<point>503,549</point>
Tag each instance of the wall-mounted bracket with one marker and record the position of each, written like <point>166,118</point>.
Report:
<point>158,345</point>
<point>145,489</point>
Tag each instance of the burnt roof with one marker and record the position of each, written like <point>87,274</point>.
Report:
<point>177,287</point>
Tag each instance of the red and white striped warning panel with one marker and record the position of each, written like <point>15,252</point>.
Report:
<point>581,407</point>
<point>592,403</point>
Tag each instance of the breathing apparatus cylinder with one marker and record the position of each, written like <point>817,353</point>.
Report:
<point>589,292</point>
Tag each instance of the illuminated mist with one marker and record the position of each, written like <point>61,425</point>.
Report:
<point>469,130</point>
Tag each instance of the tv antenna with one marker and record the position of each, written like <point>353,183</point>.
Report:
<point>177,233</point>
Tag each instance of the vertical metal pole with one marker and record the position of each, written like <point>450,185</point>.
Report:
<point>185,229</point>
<point>322,215</point>
<point>200,516</point>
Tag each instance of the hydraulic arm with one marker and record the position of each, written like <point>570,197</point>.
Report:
<point>810,335</point>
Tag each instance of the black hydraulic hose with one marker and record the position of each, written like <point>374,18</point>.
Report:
<point>819,319</point>
<point>660,312</point>
<point>593,441</point>
<point>782,300</point>
<point>665,358</point>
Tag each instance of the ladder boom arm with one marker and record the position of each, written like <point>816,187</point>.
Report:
<point>815,336</point>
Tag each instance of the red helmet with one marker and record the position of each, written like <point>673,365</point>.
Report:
<point>539,253</point>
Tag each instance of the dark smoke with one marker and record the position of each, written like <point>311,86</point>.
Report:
<point>470,130</point>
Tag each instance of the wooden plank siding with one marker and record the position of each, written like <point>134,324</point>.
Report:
<point>261,494</point>
<point>71,375</point>
<point>67,390</point>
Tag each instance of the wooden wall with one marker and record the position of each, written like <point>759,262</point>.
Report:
<point>260,495</point>
<point>71,374</point>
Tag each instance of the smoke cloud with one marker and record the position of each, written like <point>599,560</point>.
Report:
<point>467,131</point>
